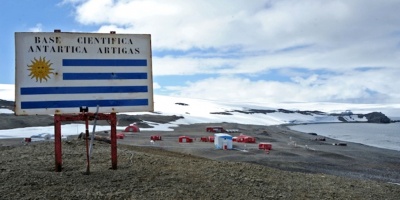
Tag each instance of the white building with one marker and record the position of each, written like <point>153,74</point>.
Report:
<point>222,141</point>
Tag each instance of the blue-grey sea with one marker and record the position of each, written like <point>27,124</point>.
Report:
<point>377,135</point>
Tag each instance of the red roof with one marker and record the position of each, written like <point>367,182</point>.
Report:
<point>132,128</point>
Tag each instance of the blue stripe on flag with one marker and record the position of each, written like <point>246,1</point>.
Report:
<point>79,103</point>
<point>103,76</point>
<point>103,62</point>
<point>82,90</point>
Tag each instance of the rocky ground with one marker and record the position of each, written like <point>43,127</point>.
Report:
<point>298,167</point>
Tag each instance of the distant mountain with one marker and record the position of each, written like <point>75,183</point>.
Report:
<point>174,110</point>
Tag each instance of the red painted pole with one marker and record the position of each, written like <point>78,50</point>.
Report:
<point>57,142</point>
<point>113,119</point>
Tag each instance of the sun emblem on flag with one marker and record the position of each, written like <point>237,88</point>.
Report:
<point>40,69</point>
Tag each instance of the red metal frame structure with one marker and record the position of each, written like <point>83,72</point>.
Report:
<point>112,117</point>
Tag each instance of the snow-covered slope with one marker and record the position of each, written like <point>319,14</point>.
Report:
<point>206,111</point>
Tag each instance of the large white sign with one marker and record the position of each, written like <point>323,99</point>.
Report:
<point>58,73</point>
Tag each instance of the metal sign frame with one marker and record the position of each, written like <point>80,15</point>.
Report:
<point>84,117</point>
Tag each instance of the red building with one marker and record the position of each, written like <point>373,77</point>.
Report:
<point>265,146</point>
<point>215,129</point>
<point>185,139</point>
<point>245,139</point>
<point>120,136</point>
<point>155,137</point>
<point>132,128</point>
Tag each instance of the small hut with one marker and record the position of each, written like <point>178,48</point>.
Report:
<point>185,139</point>
<point>155,137</point>
<point>265,146</point>
<point>215,129</point>
<point>132,128</point>
<point>222,141</point>
<point>204,139</point>
<point>120,136</point>
<point>246,139</point>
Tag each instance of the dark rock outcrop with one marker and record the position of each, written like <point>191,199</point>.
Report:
<point>7,104</point>
<point>221,113</point>
<point>254,111</point>
<point>377,117</point>
<point>340,118</point>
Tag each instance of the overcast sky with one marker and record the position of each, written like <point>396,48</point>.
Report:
<point>258,50</point>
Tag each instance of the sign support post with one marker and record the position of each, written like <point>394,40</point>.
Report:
<point>57,142</point>
<point>112,118</point>
<point>87,144</point>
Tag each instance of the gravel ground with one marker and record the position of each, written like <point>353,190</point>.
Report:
<point>171,170</point>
